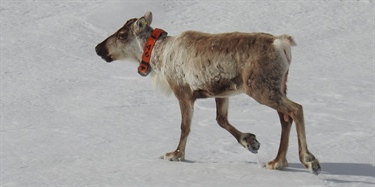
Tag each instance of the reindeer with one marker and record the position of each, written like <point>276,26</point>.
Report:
<point>195,65</point>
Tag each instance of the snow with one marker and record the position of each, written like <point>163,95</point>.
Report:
<point>70,119</point>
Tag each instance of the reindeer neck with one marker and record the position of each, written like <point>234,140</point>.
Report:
<point>145,68</point>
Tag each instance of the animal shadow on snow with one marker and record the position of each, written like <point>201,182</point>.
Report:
<point>329,168</point>
<point>343,169</point>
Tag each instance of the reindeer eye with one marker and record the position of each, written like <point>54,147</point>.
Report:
<point>121,36</point>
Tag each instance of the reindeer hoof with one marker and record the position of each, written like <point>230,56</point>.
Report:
<point>174,156</point>
<point>277,164</point>
<point>315,167</point>
<point>311,163</point>
<point>250,142</point>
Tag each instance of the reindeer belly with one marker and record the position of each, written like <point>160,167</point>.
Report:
<point>214,79</point>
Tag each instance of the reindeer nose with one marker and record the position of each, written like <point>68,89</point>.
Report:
<point>99,49</point>
<point>102,51</point>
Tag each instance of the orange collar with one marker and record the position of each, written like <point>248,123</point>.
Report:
<point>144,68</point>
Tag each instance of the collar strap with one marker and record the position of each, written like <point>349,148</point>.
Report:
<point>144,68</point>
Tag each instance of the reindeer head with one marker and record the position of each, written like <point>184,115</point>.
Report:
<point>128,42</point>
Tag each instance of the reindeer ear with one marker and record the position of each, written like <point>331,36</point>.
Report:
<point>148,17</point>
<point>141,24</point>
<point>144,21</point>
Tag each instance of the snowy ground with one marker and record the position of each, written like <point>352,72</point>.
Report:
<point>68,118</point>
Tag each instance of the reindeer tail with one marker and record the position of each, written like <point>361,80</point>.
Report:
<point>287,39</point>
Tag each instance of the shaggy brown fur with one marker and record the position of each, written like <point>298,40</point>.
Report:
<point>196,65</point>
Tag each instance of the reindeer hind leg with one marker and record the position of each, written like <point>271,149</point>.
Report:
<point>280,161</point>
<point>295,112</point>
<point>288,111</point>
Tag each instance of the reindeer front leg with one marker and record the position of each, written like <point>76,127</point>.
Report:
<point>187,108</point>
<point>247,140</point>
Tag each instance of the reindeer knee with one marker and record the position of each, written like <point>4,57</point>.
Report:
<point>221,120</point>
<point>185,130</point>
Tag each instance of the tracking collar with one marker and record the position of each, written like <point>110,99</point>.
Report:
<point>144,68</point>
